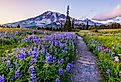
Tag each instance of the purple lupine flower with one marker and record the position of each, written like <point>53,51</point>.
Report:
<point>23,49</point>
<point>32,76</point>
<point>62,61</point>
<point>16,50</point>
<point>22,55</point>
<point>98,48</point>
<point>48,58</point>
<point>17,74</point>
<point>2,79</point>
<point>32,70</point>
<point>19,42</point>
<point>108,51</point>
<point>17,66</point>
<point>68,67</point>
<point>60,71</point>
<point>58,62</point>
<point>8,62</point>
<point>54,59</point>
<point>57,80</point>
<point>33,60</point>
<point>17,57</point>
<point>108,71</point>
<point>33,80</point>
<point>34,54</point>
<point>24,40</point>
<point>8,56</point>
<point>65,49</point>
<point>29,52</point>
<point>12,78</point>
<point>2,59</point>
<point>61,45</point>
<point>34,48</point>
<point>56,42</point>
<point>72,45</point>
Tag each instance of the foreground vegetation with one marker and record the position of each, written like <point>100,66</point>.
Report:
<point>107,49</point>
<point>40,56</point>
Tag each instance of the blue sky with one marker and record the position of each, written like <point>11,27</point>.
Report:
<point>15,10</point>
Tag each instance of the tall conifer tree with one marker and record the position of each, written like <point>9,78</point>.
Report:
<point>67,26</point>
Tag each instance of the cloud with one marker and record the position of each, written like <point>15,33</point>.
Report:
<point>116,12</point>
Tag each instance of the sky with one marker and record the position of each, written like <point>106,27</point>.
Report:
<point>16,10</point>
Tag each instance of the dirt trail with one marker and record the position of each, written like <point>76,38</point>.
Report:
<point>85,67</point>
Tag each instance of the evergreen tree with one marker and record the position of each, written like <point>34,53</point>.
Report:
<point>87,26</point>
<point>67,25</point>
<point>18,26</point>
<point>72,26</point>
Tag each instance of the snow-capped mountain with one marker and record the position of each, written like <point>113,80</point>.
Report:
<point>48,19</point>
<point>111,20</point>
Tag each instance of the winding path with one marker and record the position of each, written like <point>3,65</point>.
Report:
<point>85,67</point>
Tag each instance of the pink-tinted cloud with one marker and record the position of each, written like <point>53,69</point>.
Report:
<point>116,12</point>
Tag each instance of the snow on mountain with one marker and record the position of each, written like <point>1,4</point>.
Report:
<point>48,19</point>
<point>111,20</point>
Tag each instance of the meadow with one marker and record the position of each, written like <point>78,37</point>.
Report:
<point>41,56</point>
<point>106,45</point>
<point>28,55</point>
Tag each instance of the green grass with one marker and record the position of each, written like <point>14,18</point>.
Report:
<point>101,31</point>
<point>104,59</point>
<point>112,42</point>
<point>7,45</point>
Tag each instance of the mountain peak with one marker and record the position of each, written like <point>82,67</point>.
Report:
<point>47,19</point>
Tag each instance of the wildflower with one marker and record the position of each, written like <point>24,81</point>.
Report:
<point>58,62</point>
<point>8,63</point>
<point>32,69</point>
<point>32,76</point>
<point>65,49</point>
<point>17,57</point>
<point>16,50</point>
<point>48,58</point>
<point>108,71</point>
<point>17,74</point>
<point>17,66</point>
<point>2,79</point>
<point>56,42</point>
<point>54,59</point>
<point>29,52</point>
<point>68,67</point>
<point>57,80</point>
<point>33,60</point>
<point>73,45</point>
<point>60,71</point>
<point>8,56</point>
<point>34,48</point>
<point>12,78</point>
<point>22,55</point>
<point>62,60</point>
<point>61,45</point>
<point>99,48</point>
<point>34,54</point>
